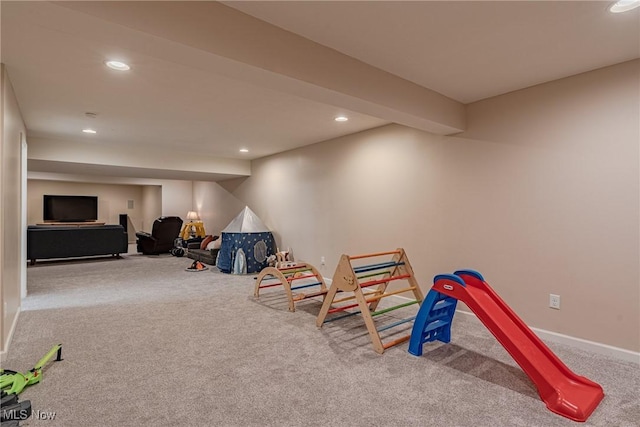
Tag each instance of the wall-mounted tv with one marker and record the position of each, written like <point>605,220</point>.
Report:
<point>70,208</point>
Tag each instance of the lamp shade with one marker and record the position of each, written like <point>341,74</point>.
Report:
<point>192,216</point>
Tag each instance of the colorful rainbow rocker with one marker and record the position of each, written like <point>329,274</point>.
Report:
<point>353,279</point>
<point>285,274</point>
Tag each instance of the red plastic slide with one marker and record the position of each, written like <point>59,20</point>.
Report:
<point>564,392</point>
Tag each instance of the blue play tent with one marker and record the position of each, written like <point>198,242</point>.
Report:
<point>246,245</point>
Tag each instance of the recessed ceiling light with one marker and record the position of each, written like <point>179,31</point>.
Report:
<point>89,131</point>
<point>117,65</point>
<point>244,150</point>
<point>341,119</point>
<point>624,6</point>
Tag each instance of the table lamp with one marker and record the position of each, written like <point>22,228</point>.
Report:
<point>192,216</point>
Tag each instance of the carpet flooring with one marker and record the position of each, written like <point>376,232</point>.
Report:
<point>146,343</point>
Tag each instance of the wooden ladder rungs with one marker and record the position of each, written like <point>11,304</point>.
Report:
<point>397,323</point>
<point>301,296</point>
<point>287,275</point>
<point>396,342</point>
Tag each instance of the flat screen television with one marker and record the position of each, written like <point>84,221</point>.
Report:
<point>70,208</point>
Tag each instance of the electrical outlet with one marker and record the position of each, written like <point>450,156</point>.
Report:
<point>322,261</point>
<point>554,301</point>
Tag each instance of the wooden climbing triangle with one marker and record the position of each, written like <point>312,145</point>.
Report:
<point>359,282</point>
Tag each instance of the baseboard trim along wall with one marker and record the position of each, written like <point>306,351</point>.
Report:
<point>592,346</point>
<point>3,353</point>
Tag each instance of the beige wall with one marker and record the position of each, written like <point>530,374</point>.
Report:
<point>112,199</point>
<point>541,195</point>
<point>11,232</point>
<point>571,190</point>
<point>168,198</point>
<point>151,206</point>
<point>177,198</point>
<point>215,205</point>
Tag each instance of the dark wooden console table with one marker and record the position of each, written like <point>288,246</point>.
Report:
<point>74,224</point>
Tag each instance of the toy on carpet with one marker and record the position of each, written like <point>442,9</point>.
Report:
<point>285,273</point>
<point>177,252</point>
<point>353,279</point>
<point>564,392</point>
<point>197,266</point>
<point>245,245</point>
<point>12,383</point>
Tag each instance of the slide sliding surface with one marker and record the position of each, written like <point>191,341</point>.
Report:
<point>564,392</point>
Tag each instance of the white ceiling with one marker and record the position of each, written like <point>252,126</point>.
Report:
<point>54,57</point>
<point>466,50</point>
<point>186,93</point>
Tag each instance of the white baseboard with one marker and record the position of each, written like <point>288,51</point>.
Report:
<point>592,346</point>
<point>3,353</point>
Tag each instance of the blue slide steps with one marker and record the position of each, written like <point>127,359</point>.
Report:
<point>433,321</point>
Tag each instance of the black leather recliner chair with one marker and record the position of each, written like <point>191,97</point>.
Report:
<point>163,234</point>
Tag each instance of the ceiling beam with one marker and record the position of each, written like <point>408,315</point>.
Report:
<point>240,46</point>
<point>56,156</point>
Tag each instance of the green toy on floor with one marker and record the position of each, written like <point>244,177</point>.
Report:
<point>13,382</point>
